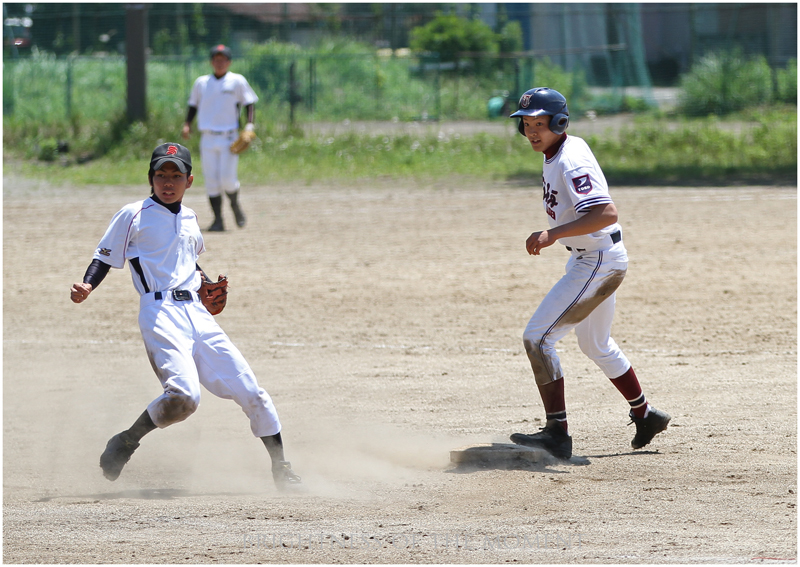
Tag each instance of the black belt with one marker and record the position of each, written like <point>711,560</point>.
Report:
<point>177,295</point>
<point>615,237</point>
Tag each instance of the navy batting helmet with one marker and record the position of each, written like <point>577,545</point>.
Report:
<point>542,101</point>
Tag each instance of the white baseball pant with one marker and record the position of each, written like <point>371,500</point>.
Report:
<point>583,299</point>
<point>187,348</point>
<point>220,166</point>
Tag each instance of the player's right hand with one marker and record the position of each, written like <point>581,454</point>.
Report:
<point>79,291</point>
<point>187,130</point>
<point>539,240</point>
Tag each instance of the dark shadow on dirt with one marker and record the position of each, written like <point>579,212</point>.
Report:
<point>136,494</point>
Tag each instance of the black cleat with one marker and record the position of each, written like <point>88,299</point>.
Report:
<point>553,438</point>
<point>647,427</point>
<point>216,226</point>
<point>118,452</point>
<point>241,220</point>
<point>283,475</point>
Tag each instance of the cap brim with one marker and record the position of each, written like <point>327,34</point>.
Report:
<point>536,112</point>
<point>156,165</point>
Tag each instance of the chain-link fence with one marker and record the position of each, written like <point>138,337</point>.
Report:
<point>300,88</point>
<point>602,57</point>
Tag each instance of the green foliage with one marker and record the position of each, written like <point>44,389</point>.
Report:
<point>725,82</point>
<point>787,83</point>
<point>449,35</point>
<point>48,150</point>
<point>650,151</point>
<point>79,103</point>
<point>510,38</point>
<point>572,85</point>
<point>268,66</point>
<point>667,151</point>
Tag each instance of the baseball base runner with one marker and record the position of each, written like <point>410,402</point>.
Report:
<point>582,217</point>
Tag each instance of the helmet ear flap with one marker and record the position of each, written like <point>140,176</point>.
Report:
<point>521,126</point>
<point>559,123</point>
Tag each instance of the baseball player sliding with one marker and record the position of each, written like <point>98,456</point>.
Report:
<point>161,240</point>
<point>583,218</point>
<point>217,99</point>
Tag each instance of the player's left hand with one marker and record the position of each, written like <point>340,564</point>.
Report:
<point>214,295</point>
<point>244,140</point>
<point>537,241</point>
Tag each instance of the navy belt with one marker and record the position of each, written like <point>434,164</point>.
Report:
<point>615,237</point>
<point>177,295</point>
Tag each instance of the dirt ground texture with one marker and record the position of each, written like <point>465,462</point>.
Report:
<point>385,320</point>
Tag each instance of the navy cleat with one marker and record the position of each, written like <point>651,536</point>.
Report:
<point>552,438</point>
<point>648,427</point>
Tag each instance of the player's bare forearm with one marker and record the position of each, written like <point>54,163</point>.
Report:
<point>80,291</point>
<point>596,219</point>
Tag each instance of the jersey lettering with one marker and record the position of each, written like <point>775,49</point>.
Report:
<point>548,195</point>
<point>549,198</point>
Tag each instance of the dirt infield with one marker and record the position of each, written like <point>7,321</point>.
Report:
<point>385,321</point>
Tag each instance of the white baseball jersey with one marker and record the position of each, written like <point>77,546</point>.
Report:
<point>161,247</point>
<point>185,345</point>
<point>218,101</point>
<point>572,183</point>
<point>584,299</point>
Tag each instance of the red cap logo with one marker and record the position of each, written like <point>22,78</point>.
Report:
<point>172,150</point>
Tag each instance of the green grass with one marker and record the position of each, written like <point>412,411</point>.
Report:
<point>649,151</point>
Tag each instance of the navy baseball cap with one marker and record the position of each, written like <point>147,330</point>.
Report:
<point>175,153</point>
<point>224,50</point>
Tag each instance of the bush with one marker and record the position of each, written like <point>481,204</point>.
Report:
<point>787,83</point>
<point>510,38</point>
<point>725,82</point>
<point>572,85</point>
<point>449,35</point>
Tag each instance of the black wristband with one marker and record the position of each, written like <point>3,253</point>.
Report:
<point>96,273</point>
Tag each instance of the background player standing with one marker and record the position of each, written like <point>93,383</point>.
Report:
<point>161,240</point>
<point>583,218</point>
<point>217,100</point>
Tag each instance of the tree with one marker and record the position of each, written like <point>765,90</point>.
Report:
<point>449,35</point>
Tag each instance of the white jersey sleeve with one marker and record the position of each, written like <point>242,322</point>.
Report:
<point>573,184</point>
<point>583,177</point>
<point>197,91</point>
<point>245,92</point>
<point>113,246</point>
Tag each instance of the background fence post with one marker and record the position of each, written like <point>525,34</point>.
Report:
<point>8,87</point>
<point>438,87</point>
<point>312,80</point>
<point>187,78</point>
<point>135,44</point>
<point>69,86</point>
<point>294,96</point>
